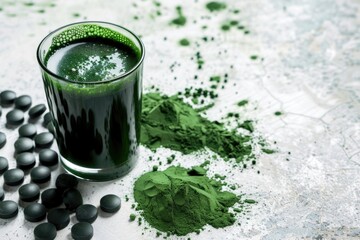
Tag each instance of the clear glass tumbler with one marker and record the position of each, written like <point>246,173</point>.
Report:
<point>97,123</point>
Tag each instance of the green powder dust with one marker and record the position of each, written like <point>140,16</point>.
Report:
<point>184,42</point>
<point>215,6</point>
<point>242,103</point>
<point>181,19</point>
<point>181,201</point>
<point>171,123</point>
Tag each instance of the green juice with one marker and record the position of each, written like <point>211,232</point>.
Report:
<point>92,60</point>
<point>94,94</point>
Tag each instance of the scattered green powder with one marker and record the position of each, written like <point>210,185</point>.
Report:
<point>180,201</point>
<point>181,19</point>
<point>234,22</point>
<point>242,103</point>
<point>268,151</point>
<point>250,201</point>
<point>248,125</point>
<point>29,4</point>
<point>199,60</point>
<point>132,217</point>
<point>184,42</point>
<point>225,27</point>
<point>215,6</point>
<point>171,123</point>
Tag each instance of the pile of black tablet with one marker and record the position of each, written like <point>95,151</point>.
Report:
<point>65,192</point>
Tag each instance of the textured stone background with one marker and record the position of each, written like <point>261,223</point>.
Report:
<point>309,70</point>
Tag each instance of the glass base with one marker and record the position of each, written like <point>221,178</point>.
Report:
<point>98,174</point>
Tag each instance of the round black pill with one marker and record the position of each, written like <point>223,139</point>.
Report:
<point>2,139</point>
<point>25,160</point>
<point>8,209</point>
<point>15,117</point>
<point>35,212</point>
<point>86,213</point>
<point>24,144</point>
<point>23,102</point>
<point>51,198</point>
<point>29,192</point>
<point>37,110</point>
<point>7,97</point>
<point>14,177</point>
<point>4,165</point>
<point>40,174</point>
<point>110,203</point>
<point>48,157</point>
<point>2,194</point>
<point>47,119</point>
<point>27,130</point>
<point>72,199</point>
<point>45,231</point>
<point>44,140</point>
<point>82,231</point>
<point>60,217</point>
<point>65,181</point>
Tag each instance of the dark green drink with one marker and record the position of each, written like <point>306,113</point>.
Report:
<point>92,74</point>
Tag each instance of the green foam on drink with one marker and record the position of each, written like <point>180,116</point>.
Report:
<point>90,53</point>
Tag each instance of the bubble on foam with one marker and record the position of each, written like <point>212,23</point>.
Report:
<point>74,33</point>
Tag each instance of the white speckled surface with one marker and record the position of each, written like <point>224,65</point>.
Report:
<point>310,71</point>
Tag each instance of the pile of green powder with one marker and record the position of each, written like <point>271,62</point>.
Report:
<point>171,123</point>
<point>180,201</point>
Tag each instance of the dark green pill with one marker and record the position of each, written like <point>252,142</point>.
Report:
<point>86,213</point>
<point>47,119</point>
<point>65,181</point>
<point>45,231</point>
<point>25,160</point>
<point>2,139</point>
<point>8,209</point>
<point>37,110</point>
<point>29,192</point>
<point>60,217</point>
<point>48,157</point>
<point>27,130</point>
<point>24,144</point>
<point>15,117</point>
<point>40,174</point>
<point>72,199</point>
<point>44,140</point>
<point>82,231</point>
<point>23,102</point>
<point>7,97</point>
<point>14,177</point>
<point>2,194</point>
<point>110,203</point>
<point>4,165</point>
<point>51,198</point>
<point>35,212</point>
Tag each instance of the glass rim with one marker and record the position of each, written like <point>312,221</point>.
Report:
<point>44,67</point>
